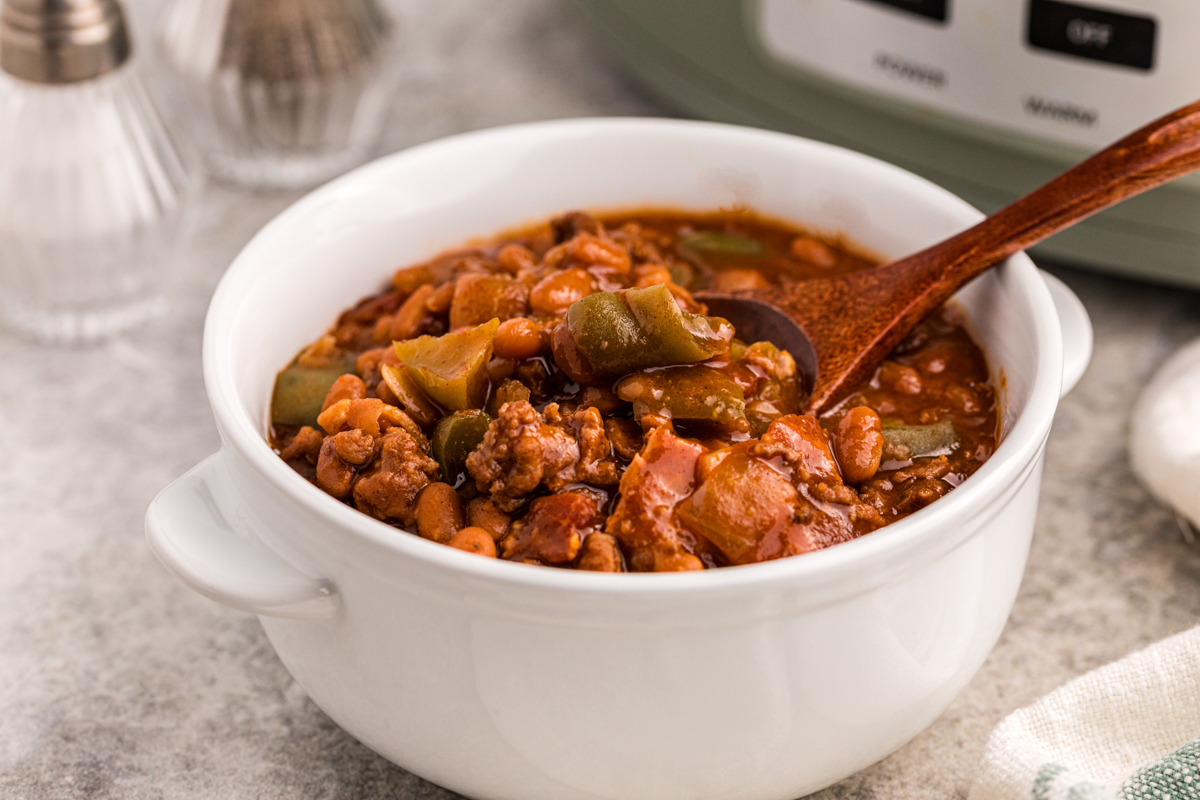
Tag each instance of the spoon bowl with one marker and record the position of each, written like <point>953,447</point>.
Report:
<point>760,321</point>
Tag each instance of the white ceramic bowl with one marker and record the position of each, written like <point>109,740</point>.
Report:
<point>501,680</point>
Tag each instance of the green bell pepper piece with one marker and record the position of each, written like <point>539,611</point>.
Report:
<point>453,440</point>
<point>723,243</point>
<point>688,394</point>
<point>451,369</point>
<point>906,442</point>
<point>300,392</point>
<point>641,328</point>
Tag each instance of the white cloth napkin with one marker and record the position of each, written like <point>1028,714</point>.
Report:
<point>1126,731</point>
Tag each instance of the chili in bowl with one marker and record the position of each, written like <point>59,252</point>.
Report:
<point>558,396</point>
<point>503,680</point>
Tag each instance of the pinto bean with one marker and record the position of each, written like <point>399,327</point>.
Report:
<point>676,562</point>
<point>555,293</point>
<point>858,444</point>
<point>518,338</point>
<point>474,540</point>
<point>439,299</point>
<point>439,512</point>
<point>413,316</point>
<point>483,513</point>
<point>900,377</point>
<point>651,275</point>
<point>590,251</point>
<point>813,251</point>
<point>515,257</point>
<point>729,279</point>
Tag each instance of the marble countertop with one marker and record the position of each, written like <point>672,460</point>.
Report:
<point>116,681</point>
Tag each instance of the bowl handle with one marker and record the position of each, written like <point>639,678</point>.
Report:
<point>1076,331</point>
<point>198,544</point>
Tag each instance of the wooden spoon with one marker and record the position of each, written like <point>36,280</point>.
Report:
<point>841,328</point>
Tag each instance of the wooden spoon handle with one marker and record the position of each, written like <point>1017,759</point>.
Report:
<point>1160,152</point>
<point>853,321</point>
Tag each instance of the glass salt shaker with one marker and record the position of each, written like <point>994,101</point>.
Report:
<point>281,93</point>
<point>92,189</point>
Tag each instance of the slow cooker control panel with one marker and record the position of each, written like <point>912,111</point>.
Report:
<point>1077,73</point>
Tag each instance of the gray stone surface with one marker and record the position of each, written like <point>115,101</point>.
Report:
<point>115,681</point>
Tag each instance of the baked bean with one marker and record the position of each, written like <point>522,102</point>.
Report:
<point>347,387</point>
<point>591,251</point>
<point>555,293</point>
<point>813,251</point>
<point>382,330</point>
<point>479,298</point>
<point>600,553</point>
<point>676,562</point>
<point>483,513</point>
<point>413,316</point>
<point>729,279</point>
<point>439,300</point>
<point>409,279</point>
<point>439,512</point>
<point>518,338</point>
<point>651,275</point>
<point>900,377</point>
<point>858,444</point>
<point>474,540</point>
<point>515,257</point>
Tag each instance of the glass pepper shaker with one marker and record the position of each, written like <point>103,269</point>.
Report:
<point>281,93</point>
<point>92,189</point>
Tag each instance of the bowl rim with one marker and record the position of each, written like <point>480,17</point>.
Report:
<point>915,539</point>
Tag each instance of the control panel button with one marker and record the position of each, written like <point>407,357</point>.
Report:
<point>1092,33</point>
<point>933,9</point>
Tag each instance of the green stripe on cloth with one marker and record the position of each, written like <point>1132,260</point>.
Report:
<point>1044,781</point>
<point>1044,786</point>
<point>1175,777</point>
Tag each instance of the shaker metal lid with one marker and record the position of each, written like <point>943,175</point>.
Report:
<point>62,41</point>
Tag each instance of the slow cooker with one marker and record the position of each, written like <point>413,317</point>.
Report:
<point>989,98</point>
